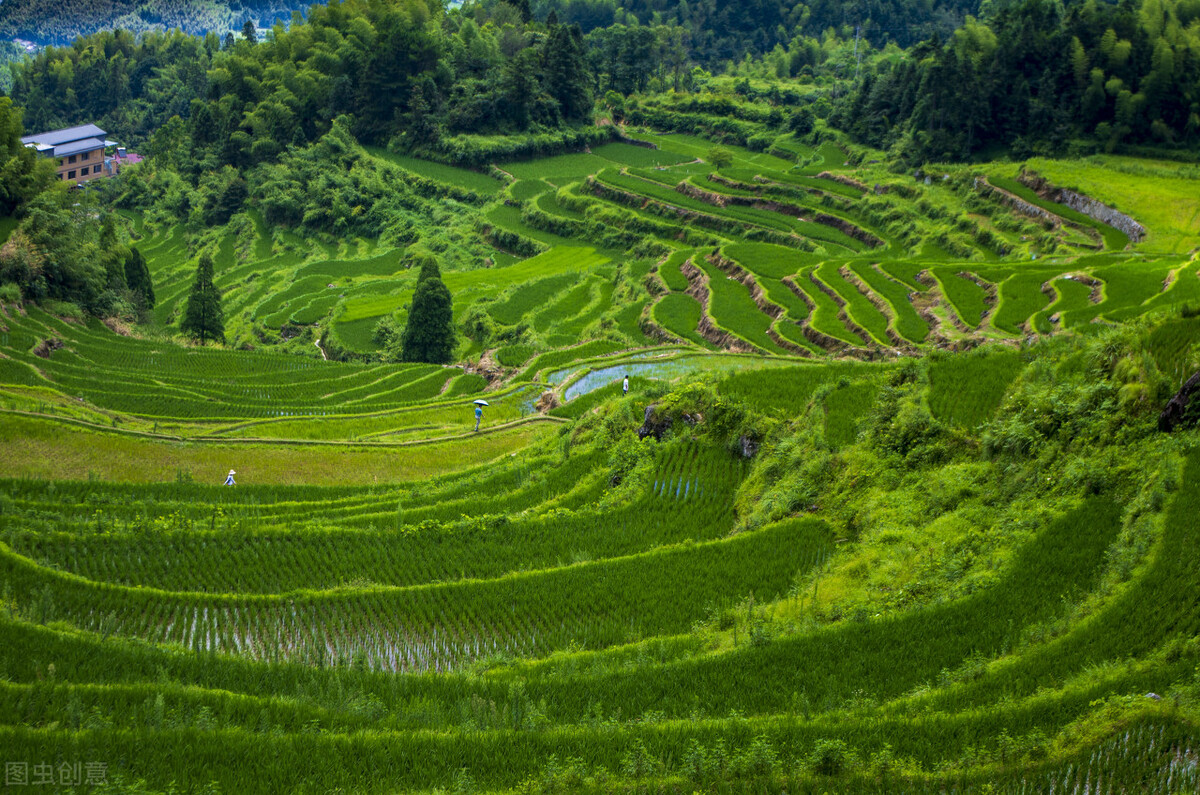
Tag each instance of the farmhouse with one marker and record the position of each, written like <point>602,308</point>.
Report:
<point>78,150</point>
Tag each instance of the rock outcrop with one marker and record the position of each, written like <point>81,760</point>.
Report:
<point>1083,204</point>
<point>1102,213</point>
<point>652,424</point>
<point>1176,411</point>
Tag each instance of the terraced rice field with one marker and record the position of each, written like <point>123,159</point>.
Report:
<point>843,558</point>
<point>515,607</point>
<point>834,267</point>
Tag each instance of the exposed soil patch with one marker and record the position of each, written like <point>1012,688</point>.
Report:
<point>47,347</point>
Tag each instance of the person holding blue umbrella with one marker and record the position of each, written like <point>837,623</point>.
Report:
<point>479,404</point>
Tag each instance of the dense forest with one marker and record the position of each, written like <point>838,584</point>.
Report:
<point>1040,78</point>
<point>1035,76</point>
<point>63,21</point>
<point>717,30</point>
<point>722,30</point>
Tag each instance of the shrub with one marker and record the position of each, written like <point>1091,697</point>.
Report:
<point>63,309</point>
<point>514,355</point>
<point>829,757</point>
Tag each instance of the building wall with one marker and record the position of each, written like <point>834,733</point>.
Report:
<point>90,162</point>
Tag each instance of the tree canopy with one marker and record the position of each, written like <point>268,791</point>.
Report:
<point>429,333</point>
<point>1037,80</point>
<point>137,278</point>
<point>203,318</point>
<point>22,174</point>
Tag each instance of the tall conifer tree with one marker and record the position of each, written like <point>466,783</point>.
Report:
<point>203,318</point>
<point>137,277</point>
<point>429,333</point>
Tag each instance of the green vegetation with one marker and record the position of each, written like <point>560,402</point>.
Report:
<point>1121,78</point>
<point>858,308</point>
<point>1159,194</point>
<point>598,584</point>
<point>887,507</point>
<point>429,328</point>
<point>966,390</point>
<point>1021,296</point>
<point>1071,295</point>
<point>203,318</point>
<point>732,307</point>
<point>680,315</point>
<point>670,273</point>
<point>965,295</point>
<point>32,21</point>
<point>1114,239</point>
<point>514,355</point>
<point>788,391</point>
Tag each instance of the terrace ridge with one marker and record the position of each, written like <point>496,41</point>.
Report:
<point>708,328</point>
<point>924,303</point>
<point>880,303</point>
<point>843,314</point>
<point>651,328</point>
<point>813,335</point>
<point>991,295</point>
<point>764,304</point>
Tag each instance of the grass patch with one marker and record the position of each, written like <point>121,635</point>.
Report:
<point>1071,295</point>
<point>733,309</point>
<point>965,390</point>
<point>571,167</point>
<point>670,271</point>
<point>514,355</point>
<point>680,315</point>
<point>824,317</point>
<point>48,450</point>
<point>1154,193</point>
<point>908,323</point>
<point>440,172</point>
<point>1021,297</point>
<point>637,156</point>
<point>845,408</point>
<point>529,297</point>
<point>858,307</point>
<point>966,297</point>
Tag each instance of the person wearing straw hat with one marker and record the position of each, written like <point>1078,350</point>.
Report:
<point>229,478</point>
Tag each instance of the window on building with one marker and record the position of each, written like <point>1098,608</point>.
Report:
<point>71,159</point>
<point>95,169</point>
<point>70,175</point>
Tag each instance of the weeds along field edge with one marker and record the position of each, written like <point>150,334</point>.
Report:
<point>47,449</point>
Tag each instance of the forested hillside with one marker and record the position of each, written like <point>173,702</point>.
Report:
<point>720,30</point>
<point>65,20</point>
<point>715,30</point>
<point>1040,77</point>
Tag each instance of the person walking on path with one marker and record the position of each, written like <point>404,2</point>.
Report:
<point>229,478</point>
<point>478,415</point>
<point>625,387</point>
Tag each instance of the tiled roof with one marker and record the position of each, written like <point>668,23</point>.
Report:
<point>75,147</point>
<point>65,136</point>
